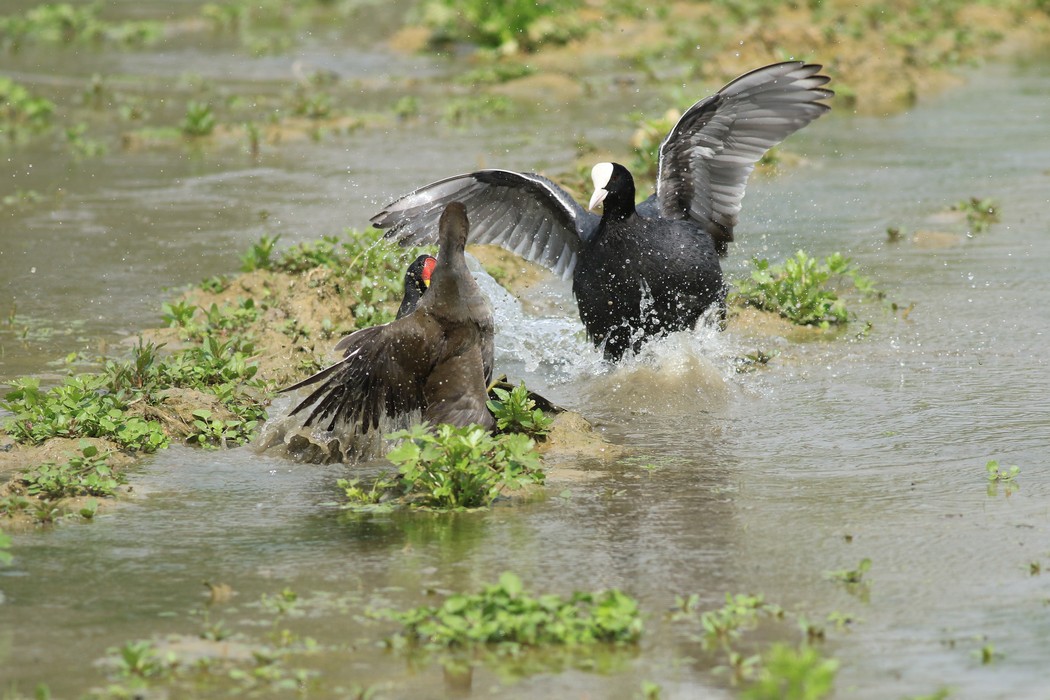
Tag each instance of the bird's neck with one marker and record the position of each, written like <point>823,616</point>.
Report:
<point>619,209</point>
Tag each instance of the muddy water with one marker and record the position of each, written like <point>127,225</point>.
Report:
<point>871,446</point>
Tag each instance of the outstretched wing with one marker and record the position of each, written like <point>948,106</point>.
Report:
<point>381,374</point>
<point>525,213</point>
<point>707,157</point>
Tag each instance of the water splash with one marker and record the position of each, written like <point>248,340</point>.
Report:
<point>674,374</point>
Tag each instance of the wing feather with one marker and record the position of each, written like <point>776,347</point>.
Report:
<point>522,212</point>
<point>708,156</point>
<point>382,373</point>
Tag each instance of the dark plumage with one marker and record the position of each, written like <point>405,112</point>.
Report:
<point>638,272</point>
<point>417,280</point>
<point>436,359</point>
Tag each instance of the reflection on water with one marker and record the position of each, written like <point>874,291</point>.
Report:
<point>868,446</point>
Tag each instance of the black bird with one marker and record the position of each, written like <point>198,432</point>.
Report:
<point>436,359</point>
<point>417,280</point>
<point>638,272</point>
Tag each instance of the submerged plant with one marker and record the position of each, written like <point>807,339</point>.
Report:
<point>506,615</point>
<point>800,289</point>
<point>66,23</point>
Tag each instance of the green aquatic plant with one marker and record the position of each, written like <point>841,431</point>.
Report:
<point>507,25</point>
<point>199,119</point>
<point>790,673</point>
<point>83,405</point>
<point>472,108</point>
<point>82,146</point>
<point>20,109</point>
<point>65,23</point>
<point>452,468</point>
<point>507,616</point>
<point>981,213</point>
<point>516,412</point>
<point>999,475</point>
<point>259,255</point>
<point>851,576</point>
<point>800,289</point>
<point>86,474</point>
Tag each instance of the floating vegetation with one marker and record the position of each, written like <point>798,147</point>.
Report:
<point>507,617</point>
<point>199,119</point>
<point>21,110</point>
<point>460,110</point>
<point>770,672</point>
<point>980,213</point>
<point>790,673</point>
<point>506,25</point>
<point>801,289</point>
<point>64,23</point>
<point>855,580</point>
<point>1006,477</point>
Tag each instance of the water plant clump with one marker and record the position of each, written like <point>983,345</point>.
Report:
<point>506,25</point>
<point>83,405</point>
<point>65,23</point>
<point>801,288</point>
<point>980,213</point>
<point>84,474</point>
<point>767,669</point>
<point>454,468</point>
<point>119,402</point>
<point>20,109</point>
<point>509,618</point>
<point>515,412</point>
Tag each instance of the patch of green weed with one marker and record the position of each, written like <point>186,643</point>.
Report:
<point>199,119</point>
<point>452,468</point>
<point>790,673</point>
<point>20,109</point>
<point>506,615</point>
<point>506,25</point>
<point>86,474</point>
<point>65,23</point>
<point>801,289</point>
<point>83,405</point>
<point>516,412</point>
<point>980,212</point>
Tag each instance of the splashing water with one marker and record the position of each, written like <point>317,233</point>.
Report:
<point>673,374</point>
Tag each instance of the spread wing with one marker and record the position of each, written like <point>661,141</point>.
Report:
<point>707,157</point>
<point>525,213</point>
<point>382,373</point>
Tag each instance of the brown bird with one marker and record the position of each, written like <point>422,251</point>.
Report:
<point>436,359</point>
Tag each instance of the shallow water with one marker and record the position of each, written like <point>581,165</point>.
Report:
<point>857,447</point>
